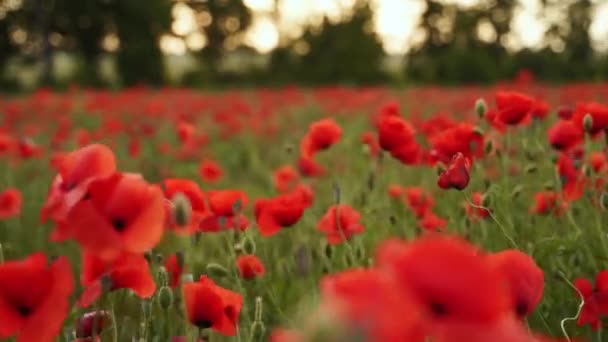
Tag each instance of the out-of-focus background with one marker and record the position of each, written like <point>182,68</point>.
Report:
<point>245,43</point>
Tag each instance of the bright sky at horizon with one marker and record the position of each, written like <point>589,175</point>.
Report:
<point>395,22</point>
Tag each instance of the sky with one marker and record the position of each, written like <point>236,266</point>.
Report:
<point>395,22</point>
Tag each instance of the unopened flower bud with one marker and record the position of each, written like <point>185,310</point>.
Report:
<point>486,200</point>
<point>531,168</point>
<point>216,270</point>
<point>604,200</point>
<point>248,245</point>
<point>165,297</point>
<point>489,147</point>
<point>481,108</point>
<point>182,209</point>
<point>516,191</point>
<point>588,122</point>
<point>92,323</point>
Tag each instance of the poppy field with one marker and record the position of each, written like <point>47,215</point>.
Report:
<point>289,215</point>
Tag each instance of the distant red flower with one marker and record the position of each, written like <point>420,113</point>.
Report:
<point>456,176</point>
<point>431,222</point>
<point>395,191</point>
<point>174,270</point>
<point>83,137</point>
<point>76,170</point>
<point>127,271</point>
<point>10,203</point>
<point>340,223</point>
<point>134,147</point>
<point>475,209</point>
<point>309,168</point>
<point>565,113</point>
<point>211,306</point>
<point>564,135</point>
<point>185,132</point>
<point>225,206</point>
<point>285,178</point>
<point>596,299</point>
<point>250,266</point>
<point>523,278</point>
<point>321,135</point>
<point>370,140</point>
<point>121,213</point>
<point>34,298</point>
<point>548,202</point>
<point>540,109</point>
<point>419,201</point>
<point>28,149</point>
<point>572,179</point>
<point>210,171</point>
<point>284,335</point>
<point>279,212</point>
<point>513,107</point>
<point>598,112</point>
<point>397,136</point>
<point>598,161</point>
<point>463,138</point>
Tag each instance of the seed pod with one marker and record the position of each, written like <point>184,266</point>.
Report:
<point>604,200</point>
<point>481,108</point>
<point>182,209</point>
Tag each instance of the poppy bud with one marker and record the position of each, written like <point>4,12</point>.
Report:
<point>288,148</point>
<point>392,220</point>
<point>588,122</point>
<point>179,257</point>
<point>481,108</point>
<point>531,168</point>
<point>549,185</point>
<point>516,191</point>
<point>163,276</point>
<point>165,297</point>
<point>216,270</point>
<point>604,200</point>
<point>248,245</point>
<point>182,209</point>
<point>478,130</point>
<point>587,171</point>
<point>439,169</point>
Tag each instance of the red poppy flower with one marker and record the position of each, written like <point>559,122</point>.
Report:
<point>225,206</point>
<point>394,131</point>
<point>321,135</point>
<point>340,223</point>
<point>369,300</point>
<point>279,212</point>
<point>474,209</point>
<point>92,323</point>
<point>10,203</point>
<point>121,213</point>
<point>134,147</point>
<point>595,300</point>
<point>7,144</point>
<point>431,222</point>
<point>76,170</point>
<point>395,191</point>
<point>456,176</point>
<point>463,138</point>
<point>34,298</point>
<point>83,137</point>
<point>513,107</point>
<point>540,109</point>
<point>250,266</point>
<point>565,113</point>
<point>548,202</point>
<point>211,306</point>
<point>127,271</point>
<point>419,201</point>
<point>523,278</point>
<point>174,268</point>
<point>426,267</point>
<point>285,178</point>
<point>284,335</point>
<point>370,140</point>
<point>185,132</point>
<point>210,171</point>
<point>598,161</point>
<point>309,168</point>
<point>598,112</point>
<point>195,196</point>
<point>572,179</point>
<point>564,135</point>
<point>28,149</point>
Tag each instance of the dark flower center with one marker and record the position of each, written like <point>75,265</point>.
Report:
<point>521,308</point>
<point>24,310</point>
<point>439,309</point>
<point>119,224</point>
<point>203,324</point>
